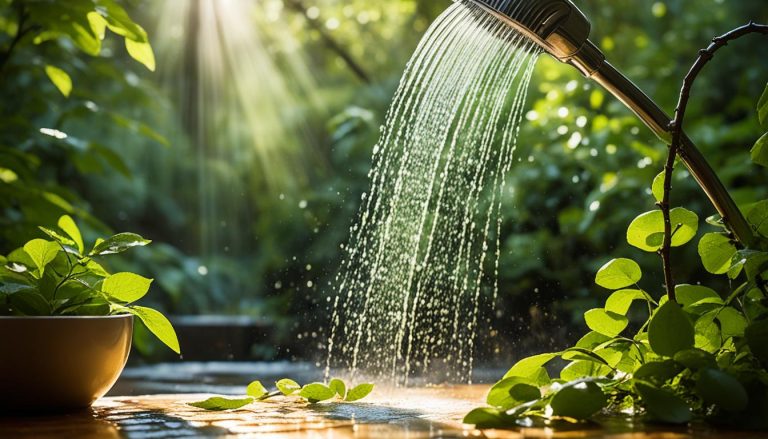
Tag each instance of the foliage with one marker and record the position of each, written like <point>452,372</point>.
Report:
<point>312,393</point>
<point>58,277</point>
<point>701,355</point>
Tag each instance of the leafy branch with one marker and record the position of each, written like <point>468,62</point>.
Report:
<point>676,128</point>
<point>312,393</point>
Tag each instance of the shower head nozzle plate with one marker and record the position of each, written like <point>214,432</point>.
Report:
<point>558,26</point>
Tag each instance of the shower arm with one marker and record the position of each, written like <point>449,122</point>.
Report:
<point>591,62</point>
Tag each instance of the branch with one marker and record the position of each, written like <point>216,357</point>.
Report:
<point>676,128</point>
<point>356,68</point>
<point>20,33</point>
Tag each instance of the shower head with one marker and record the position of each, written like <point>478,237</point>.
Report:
<point>557,26</point>
<point>562,30</point>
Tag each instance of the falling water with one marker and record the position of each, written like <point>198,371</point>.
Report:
<point>422,259</point>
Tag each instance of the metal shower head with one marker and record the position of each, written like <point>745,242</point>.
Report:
<point>562,30</point>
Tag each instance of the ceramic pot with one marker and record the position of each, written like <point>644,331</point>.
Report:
<point>60,363</point>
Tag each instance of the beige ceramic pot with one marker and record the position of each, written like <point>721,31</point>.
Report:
<point>60,363</point>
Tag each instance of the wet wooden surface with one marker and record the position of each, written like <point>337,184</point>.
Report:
<point>412,413</point>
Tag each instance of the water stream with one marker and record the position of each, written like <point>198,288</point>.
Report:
<point>422,259</point>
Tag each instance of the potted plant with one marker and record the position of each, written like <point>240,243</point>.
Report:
<point>66,322</point>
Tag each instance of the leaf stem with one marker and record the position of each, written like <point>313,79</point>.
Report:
<point>676,129</point>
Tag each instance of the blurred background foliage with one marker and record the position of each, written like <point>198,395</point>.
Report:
<point>244,156</point>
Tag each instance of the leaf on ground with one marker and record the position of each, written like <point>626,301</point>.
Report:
<point>663,405</point>
<point>316,392</point>
<point>618,273</point>
<point>501,395</point>
<point>670,330</point>
<point>219,403</point>
<point>256,390</point>
<point>358,392</point>
<point>486,417</point>
<point>605,322</point>
<point>288,386</point>
<point>339,387</point>
<point>579,401</point>
<point>722,389</point>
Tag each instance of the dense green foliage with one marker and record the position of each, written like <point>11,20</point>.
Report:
<point>58,277</point>
<point>700,353</point>
<point>311,393</point>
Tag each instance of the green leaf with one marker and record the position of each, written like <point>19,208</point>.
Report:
<point>591,339</point>
<point>29,302</point>
<point>618,273</point>
<point>256,390</point>
<point>670,331</point>
<point>287,386</point>
<point>758,217</point>
<point>688,295</point>
<point>60,79</point>
<point>67,224</point>
<point>716,251</point>
<point>732,322</point>
<point>657,188</point>
<point>605,322</point>
<point>762,107</point>
<point>502,396</point>
<point>316,392</point>
<point>118,243</point>
<point>707,333</point>
<point>141,52</point>
<point>532,368</point>
<point>126,287</point>
<point>219,403</point>
<point>41,252</point>
<point>658,372</point>
<point>646,232</point>
<point>158,325</point>
<point>57,236</point>
<point>663,405</point>
<point>360,391</point>
<point>759,152</point>
<point>486,417</point>
<point>695,359</point>
<point>579,400</point>
<point>582,368</point>
<point>339,387</point>
<point>719,388</point>
<point>756,335</point>
<point>620,301</point>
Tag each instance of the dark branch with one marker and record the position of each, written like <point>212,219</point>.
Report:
<point>676,128</point>
<point>353,65</point>
<point>20,33</point>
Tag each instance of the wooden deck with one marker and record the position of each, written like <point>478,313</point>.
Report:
<point>412,413</point>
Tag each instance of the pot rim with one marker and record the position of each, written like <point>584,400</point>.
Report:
<point>115,316</point>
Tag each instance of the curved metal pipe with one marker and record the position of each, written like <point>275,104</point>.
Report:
<point>562,30</point>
